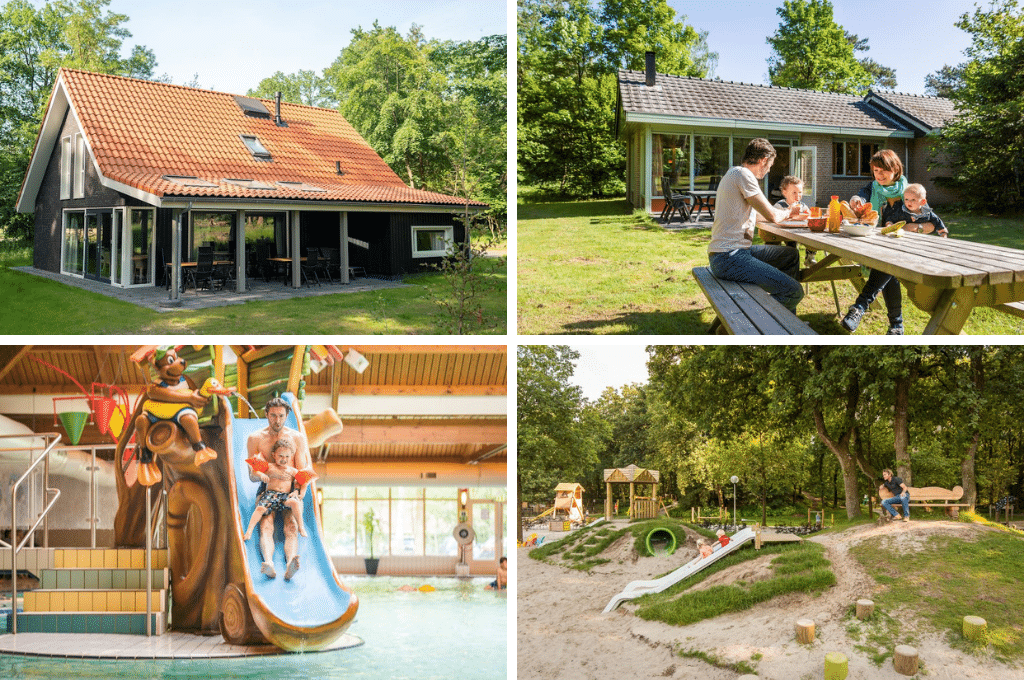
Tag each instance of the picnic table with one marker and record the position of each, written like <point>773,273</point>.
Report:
<point>945,277</point>
<point>702,201</point>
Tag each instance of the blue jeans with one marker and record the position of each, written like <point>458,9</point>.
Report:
<point>902,498</point>
<point>773,268</point>
<point>889,286</point>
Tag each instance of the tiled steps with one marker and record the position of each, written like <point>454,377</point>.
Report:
<point>93,591</point>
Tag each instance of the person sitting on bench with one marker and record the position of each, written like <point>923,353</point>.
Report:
<point>899,492</point>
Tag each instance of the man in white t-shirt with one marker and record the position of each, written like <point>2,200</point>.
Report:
<point>731,252</point>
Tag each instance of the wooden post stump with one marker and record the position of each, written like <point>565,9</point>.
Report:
<point>904,660</point>
<point>805,631</point>
<point>864,609</point>
<point>975,628</point>
<point>836,666</point>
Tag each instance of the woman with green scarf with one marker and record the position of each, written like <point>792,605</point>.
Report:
<point>884,191</point>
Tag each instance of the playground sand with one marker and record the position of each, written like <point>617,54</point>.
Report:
<point>561,629</point>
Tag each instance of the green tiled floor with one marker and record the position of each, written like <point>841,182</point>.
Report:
<point>99,579</point>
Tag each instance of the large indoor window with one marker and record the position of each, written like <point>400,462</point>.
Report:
<point>432,241</point>
<point>216,230</point>
<point>710,161</point>
<point>412,520</point>
<point>74,242</point>
<point>671,161</point>
<point>853,158</point>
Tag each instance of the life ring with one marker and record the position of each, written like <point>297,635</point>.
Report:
<point>671,540</point>
<point>464,534</point>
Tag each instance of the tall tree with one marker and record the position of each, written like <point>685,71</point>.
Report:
<point>811,51</point>
<point>634,27</point>
<point>553,444</point>
<point>34,43</point>
<point>304,87</point>
<point>985,142</point>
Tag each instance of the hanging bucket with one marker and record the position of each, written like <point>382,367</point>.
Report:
<point>74,424</point>
<point>103,409</point>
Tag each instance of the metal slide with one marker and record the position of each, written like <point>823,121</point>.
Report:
<point>312,609</point>
<point>638,588</point>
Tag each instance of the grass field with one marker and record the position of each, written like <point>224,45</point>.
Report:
<point>34,305</point>
<point>596,267</point>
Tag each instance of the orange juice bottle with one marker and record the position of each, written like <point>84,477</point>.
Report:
<point>835,215</point>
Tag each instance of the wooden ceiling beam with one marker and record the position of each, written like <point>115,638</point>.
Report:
<point>10,355</point>
<point>490,431</point>
<point>412,390</point>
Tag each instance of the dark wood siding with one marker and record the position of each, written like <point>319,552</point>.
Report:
<point>373,229</point>
<point>49,208</point>
<point>401,229</point>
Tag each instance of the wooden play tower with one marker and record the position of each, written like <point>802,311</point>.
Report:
<point>640,507</point>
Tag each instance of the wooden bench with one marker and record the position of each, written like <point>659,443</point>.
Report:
<point>930,497</point>
<point>746,308</point>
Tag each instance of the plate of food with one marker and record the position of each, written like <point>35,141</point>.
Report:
<point>857,228</point>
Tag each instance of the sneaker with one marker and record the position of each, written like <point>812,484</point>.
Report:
<point>852,319</point>
<point>895,329</point>
<point>809,258</point>
<point>906,518</point>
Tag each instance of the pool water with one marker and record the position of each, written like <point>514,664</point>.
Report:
<point>459,630</point>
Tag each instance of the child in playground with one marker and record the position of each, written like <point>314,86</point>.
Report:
<point>705,549</point>
<point>279,495</point>
<point>722,538</point>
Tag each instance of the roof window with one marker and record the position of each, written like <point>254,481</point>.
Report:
<point>258,151</point>
<point>252,107</point>
<point>251,184</point>
<point>301,186</point>
<point>188,181</point>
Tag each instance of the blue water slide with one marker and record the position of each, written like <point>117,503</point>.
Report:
<point>312,609</point>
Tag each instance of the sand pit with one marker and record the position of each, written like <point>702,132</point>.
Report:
<point>561,630</point>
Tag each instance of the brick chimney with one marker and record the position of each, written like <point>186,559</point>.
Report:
<point>649,68</point>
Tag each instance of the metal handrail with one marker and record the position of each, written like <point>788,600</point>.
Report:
<point>14,545</point>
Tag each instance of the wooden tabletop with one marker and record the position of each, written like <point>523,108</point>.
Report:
<point>216,263</point>
<point>944,276</point>
<point>283,259</point>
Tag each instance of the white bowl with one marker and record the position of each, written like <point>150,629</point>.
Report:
<point>855,229</point>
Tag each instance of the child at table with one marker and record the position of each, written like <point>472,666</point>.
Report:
<point>882,193</point>
<point>914,210</point>
<point>792,188</point>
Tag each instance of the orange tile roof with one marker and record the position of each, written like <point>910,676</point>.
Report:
<point>141,131</point>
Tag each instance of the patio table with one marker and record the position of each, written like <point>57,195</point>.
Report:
<point>947,278</point>
<point>702,201</point>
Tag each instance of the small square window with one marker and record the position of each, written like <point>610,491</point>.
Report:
<point>432,241</point>
<point>301,186</point>
<point>256,148</point>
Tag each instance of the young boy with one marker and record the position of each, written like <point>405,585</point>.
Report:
<point>792,188</point>
<point>914,210</point>
<point>278,495</point>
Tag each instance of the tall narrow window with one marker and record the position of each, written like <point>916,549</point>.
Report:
<point>79,184</point>
<point>65,168</point>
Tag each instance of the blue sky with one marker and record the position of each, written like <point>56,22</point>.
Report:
<point>915,38</point>
<point>233,45</point>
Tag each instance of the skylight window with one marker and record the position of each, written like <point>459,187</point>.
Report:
<point>251,184</point>
<point>189,181</point>
<point>301,186</point>
<point>256,148</point>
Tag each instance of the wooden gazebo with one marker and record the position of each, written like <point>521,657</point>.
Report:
<point>642,508</point>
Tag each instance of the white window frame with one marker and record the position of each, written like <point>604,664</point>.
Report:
<point>78,186</point>
<point>66,155</point>
<point>812,189</point>
<point>449,238</point>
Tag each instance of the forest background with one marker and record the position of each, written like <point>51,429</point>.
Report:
<point>789,421</point>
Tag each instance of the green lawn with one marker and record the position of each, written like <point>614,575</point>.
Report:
<point>34,305</point>
<point>598,267</point>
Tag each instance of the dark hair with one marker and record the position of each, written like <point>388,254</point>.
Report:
<point>886,159</point>
<point>274,402</point>
<point>789,179</point>
<point>503,559</point>
<point>758,150</point>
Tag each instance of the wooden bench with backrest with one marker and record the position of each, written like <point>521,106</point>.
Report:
<point>746,308</point>
<point>930,497</point>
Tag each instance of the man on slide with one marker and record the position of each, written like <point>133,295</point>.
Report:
<point>260,444</point>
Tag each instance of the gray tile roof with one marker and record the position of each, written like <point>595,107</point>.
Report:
<point>932,111</point>
<point>716,100</point>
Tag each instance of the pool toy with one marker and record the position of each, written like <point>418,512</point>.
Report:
<point>427,588</point>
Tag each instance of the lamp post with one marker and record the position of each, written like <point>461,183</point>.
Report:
<point>735,480</point>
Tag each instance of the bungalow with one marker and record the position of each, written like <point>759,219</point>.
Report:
<point>692,130</point>
<point>122,165</point>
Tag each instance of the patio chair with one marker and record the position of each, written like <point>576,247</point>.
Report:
<point>323,265</point>
<point>204,270</point>
<point>332,256</point>
<point>674,203</point>
<point>310,266</point>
